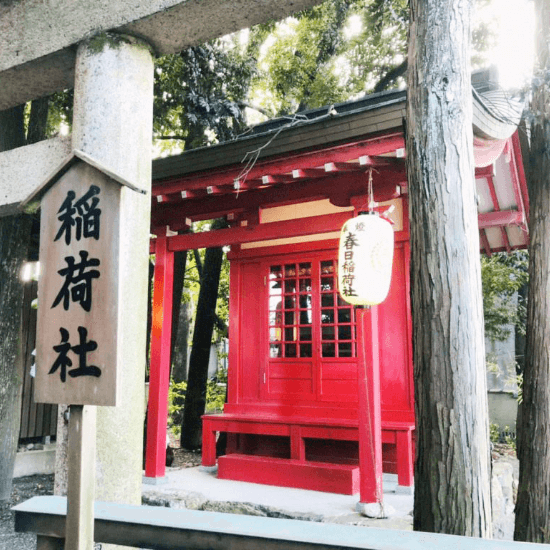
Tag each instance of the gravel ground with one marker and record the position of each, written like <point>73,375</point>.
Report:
<point>23,489</point>
<point>27,487</point>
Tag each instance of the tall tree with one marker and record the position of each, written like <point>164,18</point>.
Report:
<point>15,232</point>
<point>452,482</point>
<point>198,94</point>
<point>533,501</point>
<point>195,396</point>
<point>180,320</point>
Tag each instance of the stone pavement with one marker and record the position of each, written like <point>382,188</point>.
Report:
<point>196,489</point>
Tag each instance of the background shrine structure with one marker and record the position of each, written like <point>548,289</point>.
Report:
<point>295,349</point>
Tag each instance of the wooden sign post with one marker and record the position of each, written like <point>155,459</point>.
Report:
<point>78,316</point>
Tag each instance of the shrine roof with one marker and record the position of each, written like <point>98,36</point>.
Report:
<point>343,141</point>
<point>496,116</point>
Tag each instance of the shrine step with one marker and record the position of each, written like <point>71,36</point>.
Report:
<point>315,476</point>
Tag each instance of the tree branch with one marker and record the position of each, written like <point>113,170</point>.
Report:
<point>255,108</point>
<point>391,76</point>
<point>171,137</point>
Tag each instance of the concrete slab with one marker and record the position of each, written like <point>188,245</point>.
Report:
<point>38,39</point>
<point>198,489</point>
<point>30,463</point>
<point>23,169</point>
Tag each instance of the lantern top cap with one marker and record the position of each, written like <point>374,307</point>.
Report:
<point>32,202</point>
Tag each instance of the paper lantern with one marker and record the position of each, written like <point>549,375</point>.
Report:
<point>365,259</point>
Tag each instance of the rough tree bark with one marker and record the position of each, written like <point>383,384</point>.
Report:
<point>195,396</point>
<point>180,333</point>
<point>14,243</point>
<point>452,481</point>
<point>180,325</point>
<point>14,239</point>
<point>533,501</point>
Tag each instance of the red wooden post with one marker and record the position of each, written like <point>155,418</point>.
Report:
<point>370,421</point>
<point>405,474</point>
<point>159,378</point>
<point>208,444</point>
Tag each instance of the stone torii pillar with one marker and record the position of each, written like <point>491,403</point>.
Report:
<point>112,123</point>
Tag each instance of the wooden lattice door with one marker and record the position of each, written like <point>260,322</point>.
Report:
<point>310,337</point>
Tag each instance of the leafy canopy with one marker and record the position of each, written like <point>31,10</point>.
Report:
<point>502,276</point>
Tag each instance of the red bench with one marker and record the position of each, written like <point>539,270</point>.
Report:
<point>322,476</point>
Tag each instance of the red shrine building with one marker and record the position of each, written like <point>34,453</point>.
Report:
<point>320,394</point>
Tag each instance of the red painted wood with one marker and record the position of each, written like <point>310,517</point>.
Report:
<point>250,313</point>
<point>297,444</point>
<point>519,173</point>
<point>396,388</point>
<point>282,165</point>
<point>208,444</point>
<point>494,219</point>
<point>370,417</point>
<point>405,473</point>
<point>342,167</point>
<point>261,232</point>
<point>316,476</point>
<point>337,187</point>
<point>501,218</point>
<point>317,394</point>
<point>485,245</point>
<point>234,374</point>
<point>309,398</point>
<point>159,378</point>
<point>298,429</point>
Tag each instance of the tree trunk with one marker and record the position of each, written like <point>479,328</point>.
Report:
<point>179,357</point>
<point>195,396</point>
<point>14,239</point>
<point>38,120</point>
<point>12,129</point>
<point>61,481</point>
<point>452,481</point>
<point>533,501</point>
<point>14,242</point>
<point>180,326</point>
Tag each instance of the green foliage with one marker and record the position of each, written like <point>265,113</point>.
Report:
<point>60,111</point>
<point>494,432</point>
<point>496,435</point>
<point>198,93</point>
<point>222,305</point>
<point>518,379</point>
<point>176,400</point>
<point>502,275</point>
<point>316,58</point>
<point>333,52</point>
<point>192,284</point>
<point>216,388</point>
<point>491,363</point>
<point>509,438</point>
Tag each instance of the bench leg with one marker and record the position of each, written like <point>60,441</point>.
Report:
<point>208,445</point>
<point>49,543</point>
<point>404,462</point>
<point>297,445</point>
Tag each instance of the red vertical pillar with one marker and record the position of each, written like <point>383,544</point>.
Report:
<point>159,375</point>
<point>370,419</point>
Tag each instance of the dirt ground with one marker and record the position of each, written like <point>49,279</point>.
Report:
<point>183,458</point>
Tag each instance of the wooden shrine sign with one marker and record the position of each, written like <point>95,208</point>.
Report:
<point>78,290</point>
